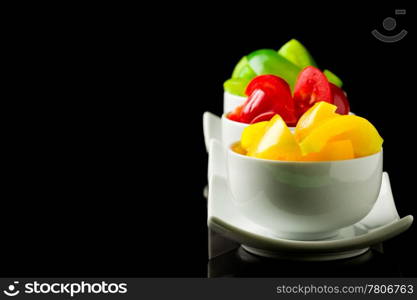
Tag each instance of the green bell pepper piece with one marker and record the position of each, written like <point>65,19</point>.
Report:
<point>296,53</point>
<point>331,77</point>
<point>243,69</point>
<point>268,61</point>
<point>236,86</point>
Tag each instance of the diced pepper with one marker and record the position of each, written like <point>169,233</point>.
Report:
<point>268,61</point>
<point>334,150</point>
<point>311,87</point>
<point>252,134</point>
<point>277,98</point>
<point>236,86</point>
<point>243,70</point>
<point>296,53</point>
<point>276,143</point>
<point>317,114</point>
<point>363,135</point>
<point>238,149</point>
<point>340,100</point>
<point>333,78</point>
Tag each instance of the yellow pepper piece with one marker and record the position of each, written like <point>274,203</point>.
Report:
<point>237,147</point>
<point>252,134</point>
<point>333,150</point>
<point>313,117</point>
<point>363,135</point>
<point>277,142</point>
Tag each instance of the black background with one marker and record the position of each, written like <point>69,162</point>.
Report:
<point>107,163</point>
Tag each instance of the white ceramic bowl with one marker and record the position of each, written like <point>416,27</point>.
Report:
<point>304,200</point>
<point>231,130</point>
<point>221,129</point>
<point>230,101</point>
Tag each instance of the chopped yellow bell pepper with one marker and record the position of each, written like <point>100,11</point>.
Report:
<point>252,134</point>
<point>316,115</point>
<point>277,142</point>
<point>363,135</point>
<point>333,150</point>
<point>321,135</point>
<point>237,147</point>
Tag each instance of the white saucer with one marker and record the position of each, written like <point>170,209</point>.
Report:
<point>380,224</point>
<point>212,128</point>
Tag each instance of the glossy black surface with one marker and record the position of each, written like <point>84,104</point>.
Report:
<point>229,259</point>
<point>240,263</point>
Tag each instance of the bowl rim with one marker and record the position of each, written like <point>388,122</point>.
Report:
<point>241,124</point>
<point>234,95</point>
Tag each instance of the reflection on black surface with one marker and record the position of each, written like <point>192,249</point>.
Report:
<point>240,263</point>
